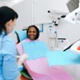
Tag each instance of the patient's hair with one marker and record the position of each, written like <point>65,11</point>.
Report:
<point>38,32</point>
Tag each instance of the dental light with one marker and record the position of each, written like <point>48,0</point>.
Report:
<point>74,15</point>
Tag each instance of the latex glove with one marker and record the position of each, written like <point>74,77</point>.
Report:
<point>22,58</point>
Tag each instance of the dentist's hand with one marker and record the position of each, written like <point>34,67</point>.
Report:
<point>22,58</point>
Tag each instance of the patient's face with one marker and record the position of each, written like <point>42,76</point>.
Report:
<point>32,33</point>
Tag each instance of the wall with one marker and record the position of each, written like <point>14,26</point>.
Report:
<point>42,6</point>
<point>24,10</point>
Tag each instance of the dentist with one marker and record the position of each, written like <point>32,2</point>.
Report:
<point>9,69</point>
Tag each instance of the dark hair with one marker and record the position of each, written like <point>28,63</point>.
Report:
<point>6,14</point>
<point>38,32</point>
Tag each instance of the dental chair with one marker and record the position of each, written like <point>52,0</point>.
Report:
<point>76,47</point>
<point>39,69</point>
<point>21,35</point>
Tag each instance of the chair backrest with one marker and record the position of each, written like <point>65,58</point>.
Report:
<point>21,35</point>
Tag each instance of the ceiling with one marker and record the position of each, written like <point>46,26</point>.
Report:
<point>9,2</point>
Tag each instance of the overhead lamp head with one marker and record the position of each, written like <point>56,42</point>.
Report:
<point>74,16</point>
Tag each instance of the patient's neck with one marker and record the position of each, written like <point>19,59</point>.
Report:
<point>31,40</point>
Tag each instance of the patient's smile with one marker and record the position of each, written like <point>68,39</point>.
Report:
<point>32,33</point>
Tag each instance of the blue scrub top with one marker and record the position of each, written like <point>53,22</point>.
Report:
<point>8,62</point>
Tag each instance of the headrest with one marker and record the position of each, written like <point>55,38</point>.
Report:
<point>21,35</point>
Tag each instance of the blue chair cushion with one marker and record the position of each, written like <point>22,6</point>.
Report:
<point>21,35</point>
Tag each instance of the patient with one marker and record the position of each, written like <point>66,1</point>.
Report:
<point>32,44</point>
<point>38,49</point>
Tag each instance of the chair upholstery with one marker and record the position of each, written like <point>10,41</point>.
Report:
<point>21,35</point>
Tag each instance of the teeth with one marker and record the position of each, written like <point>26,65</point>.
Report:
<point>31,36</point>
